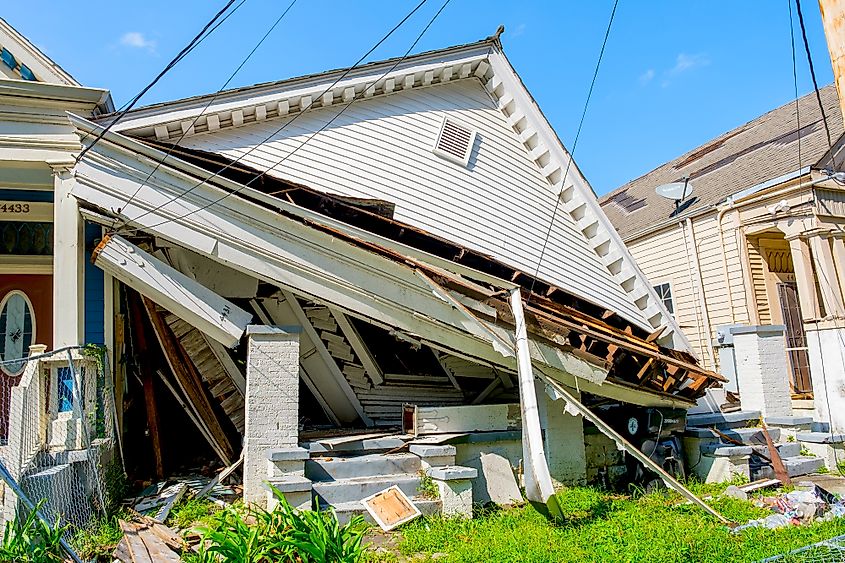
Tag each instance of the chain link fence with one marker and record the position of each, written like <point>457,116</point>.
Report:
<point>57,433</point>
<point>827,551</point>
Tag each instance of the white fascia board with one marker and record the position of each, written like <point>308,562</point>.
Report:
<point>182,110</point>
<point>197,305</point>
<point>527,105</point>
<point>53,95</point>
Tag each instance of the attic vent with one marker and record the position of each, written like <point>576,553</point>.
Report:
<point>455,142</point>
<point>625,202</point>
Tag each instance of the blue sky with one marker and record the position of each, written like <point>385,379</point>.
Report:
<point>675,74</point>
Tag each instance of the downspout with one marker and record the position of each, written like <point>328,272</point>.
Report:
<point>538,481</point>
<point>702,303</point>
<point>725,275</point>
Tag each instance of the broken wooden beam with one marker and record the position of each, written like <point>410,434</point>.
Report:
<point>190,383</point>
<point>147,381</point>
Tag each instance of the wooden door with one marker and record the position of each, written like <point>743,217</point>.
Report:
<point>26,317</point>
<point>796,340</point>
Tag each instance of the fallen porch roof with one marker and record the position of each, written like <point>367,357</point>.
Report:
<point>114,170</point>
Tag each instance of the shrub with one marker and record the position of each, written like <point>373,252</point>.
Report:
<point>31,540</point>
<point>285,534</point>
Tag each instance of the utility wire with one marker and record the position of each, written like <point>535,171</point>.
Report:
<point>574,146</point>
<point>820,271</point>
<point>205,108</point>
<point>284,125</point>
<point>813,76</point>
<point>795,83</point>
<point>187,49</point>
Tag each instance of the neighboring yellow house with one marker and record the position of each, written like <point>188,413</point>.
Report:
<point>759,241</point>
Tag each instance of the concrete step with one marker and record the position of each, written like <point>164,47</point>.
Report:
<point>723,420</point>
<point>786,449</point>
<point>354,490</point>
<point>354,445</point>
<point>749,436</point>
<point>345,511</point>
<point>795,467</point>
<point>370,465</point>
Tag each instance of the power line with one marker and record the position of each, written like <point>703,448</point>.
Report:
<point>284,125</point>
<point>574,145</point>
<point>187,49</point>
<point>813,76</point>
<point>211,101</point>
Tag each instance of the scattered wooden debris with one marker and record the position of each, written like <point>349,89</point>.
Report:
<point>148,541</point>
<point>219,478</point>
<point>160,501</point>
<point>391,508</point>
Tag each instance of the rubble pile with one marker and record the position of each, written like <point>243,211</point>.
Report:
<point>807,503</point>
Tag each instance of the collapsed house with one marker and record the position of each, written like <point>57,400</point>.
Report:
<point>317,273</point>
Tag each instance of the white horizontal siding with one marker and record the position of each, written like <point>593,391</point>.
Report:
<point>382,148</point>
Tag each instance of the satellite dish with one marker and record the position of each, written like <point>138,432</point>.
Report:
<point>676,191</point>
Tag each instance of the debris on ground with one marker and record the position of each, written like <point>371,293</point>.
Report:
<point>391,508</point>
<point>145,540</point>
<point>807,503</point>
<point>157,500</point>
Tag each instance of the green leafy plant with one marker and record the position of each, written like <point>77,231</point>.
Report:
<point>284,534</point>
<point>790,438</point>
<point>31,540</point>
<point>427,487</point>
<point>98,540</point>
<point>192,512</point>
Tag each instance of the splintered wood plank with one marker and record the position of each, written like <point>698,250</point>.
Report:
<point>190,383</point>
<point>359,347</point>
<point>135,547</point>
<point>157,549</point>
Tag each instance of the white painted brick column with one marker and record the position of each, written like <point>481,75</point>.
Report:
<point>826,347</point>
<point>272,401</point>
<point>563,439</point>
<point>761,370</point>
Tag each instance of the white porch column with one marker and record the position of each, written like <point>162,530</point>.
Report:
<point>68,264</point>
<point>803,265</point>
<point>272,401</point>
<point>761,370</point>
<point>828,282</point>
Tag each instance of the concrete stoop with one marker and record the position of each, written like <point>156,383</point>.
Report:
<point>343,482</point>
<point>339,474</point>
<point>715,460</point>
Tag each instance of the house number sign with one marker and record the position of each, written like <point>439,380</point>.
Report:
<point>14,208</point>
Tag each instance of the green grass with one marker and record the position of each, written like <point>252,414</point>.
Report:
<point>600,526</point>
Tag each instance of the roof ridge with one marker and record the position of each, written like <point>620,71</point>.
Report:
<point>727,135</point>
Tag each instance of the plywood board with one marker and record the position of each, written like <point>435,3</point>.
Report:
<point>390,508</point>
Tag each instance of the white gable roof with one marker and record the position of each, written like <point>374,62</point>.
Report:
<point>29,56</point>
<point>501,204</point>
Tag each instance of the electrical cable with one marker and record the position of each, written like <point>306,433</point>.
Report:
<point>574,146</point>
<point>184,52</point>
<point>819,270</point>
<point>207,105</point>
<point>303,143</point>
<point>813,76</point>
